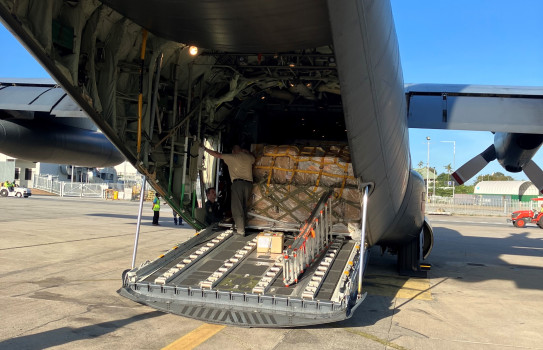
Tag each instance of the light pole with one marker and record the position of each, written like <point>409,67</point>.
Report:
<point>454,156</point>
<point>428,170</point>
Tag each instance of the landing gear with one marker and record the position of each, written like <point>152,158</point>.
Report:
<point>409,260</point>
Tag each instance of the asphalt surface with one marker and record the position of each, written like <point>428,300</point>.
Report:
<point>62,260</point>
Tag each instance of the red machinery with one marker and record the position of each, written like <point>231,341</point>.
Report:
<point>520,218</point>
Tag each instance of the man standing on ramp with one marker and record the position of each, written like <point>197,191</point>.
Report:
<point>240,166</point>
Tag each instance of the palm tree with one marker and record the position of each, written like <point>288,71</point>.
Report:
<point>420,164</point>
<point>449,171</point>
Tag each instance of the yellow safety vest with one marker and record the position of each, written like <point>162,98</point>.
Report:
<point>156,204</point>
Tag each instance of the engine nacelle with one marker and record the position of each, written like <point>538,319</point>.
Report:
<point>513,151</point>
<point>57,143</point>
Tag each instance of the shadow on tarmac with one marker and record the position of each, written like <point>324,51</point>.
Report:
<point>121,216</point>
<point>469,259</point>
<point>67,335</point>
<point>145,219</point>
<point>482,254</point>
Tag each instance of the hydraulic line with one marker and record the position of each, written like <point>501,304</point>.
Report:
<point>185,156</point>
<point>155,96</point>
<point>172,141</point>
<point>218,164</point>
<point>140,95</point>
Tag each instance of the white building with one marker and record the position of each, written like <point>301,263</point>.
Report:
<point>516,190</point>
<point>23,172</point>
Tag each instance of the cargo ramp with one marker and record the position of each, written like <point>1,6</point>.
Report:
<point>221,277</point>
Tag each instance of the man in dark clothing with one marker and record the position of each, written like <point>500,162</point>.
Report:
<point>213,213</point>
<point>175,218</point>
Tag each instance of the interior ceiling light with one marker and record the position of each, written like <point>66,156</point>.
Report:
<point>193,50</point>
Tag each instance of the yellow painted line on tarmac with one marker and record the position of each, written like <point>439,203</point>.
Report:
<point>415,289</point>
<point>196,337</point>
<point>398,287</point>
<point>374,338</point>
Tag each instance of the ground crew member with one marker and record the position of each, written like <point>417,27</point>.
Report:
<point>213,213</point>
<point>175,218</point>
<point>240,166</point>
<point>9,185</point>
<point>156,208</point>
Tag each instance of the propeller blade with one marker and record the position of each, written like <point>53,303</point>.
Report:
<point>535,174</point>
<point>476,164</point>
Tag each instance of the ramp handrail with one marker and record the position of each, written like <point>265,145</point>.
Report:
<point>315,235</point>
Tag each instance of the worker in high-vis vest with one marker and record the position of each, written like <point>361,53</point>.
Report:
<point>156,208</point>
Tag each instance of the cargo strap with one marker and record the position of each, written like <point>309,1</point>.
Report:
<point>307,156</point>
<point>314,237</point>
<point>276,199</point>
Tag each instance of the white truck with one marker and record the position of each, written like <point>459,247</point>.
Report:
<point>15,192</point>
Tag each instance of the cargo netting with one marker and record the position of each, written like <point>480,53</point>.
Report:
<point>289,182</point>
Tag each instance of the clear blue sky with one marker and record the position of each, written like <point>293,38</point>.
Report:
<point>486,42</point>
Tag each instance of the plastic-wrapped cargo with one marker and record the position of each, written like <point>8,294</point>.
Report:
<point>289,182</point>
<point>318,166</point>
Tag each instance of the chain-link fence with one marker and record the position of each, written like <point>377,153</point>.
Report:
<point>82,189</point>
<point>478,205</point>
<point>463,204</point>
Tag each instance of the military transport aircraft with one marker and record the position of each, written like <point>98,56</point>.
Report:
<point>161,77</point>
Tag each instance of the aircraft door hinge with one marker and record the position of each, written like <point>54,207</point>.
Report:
<point>444,107</point>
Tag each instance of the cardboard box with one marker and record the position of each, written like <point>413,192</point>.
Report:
<point>270,242</point>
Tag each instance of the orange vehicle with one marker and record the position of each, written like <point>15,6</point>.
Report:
<point>520,218</point>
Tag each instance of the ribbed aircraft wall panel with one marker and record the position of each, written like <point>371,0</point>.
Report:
<point>372,93</point>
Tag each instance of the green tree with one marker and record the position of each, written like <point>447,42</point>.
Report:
<point>442,180</point>
<point>494,177</point>
<point>464,189</point>
<point>421,164</point>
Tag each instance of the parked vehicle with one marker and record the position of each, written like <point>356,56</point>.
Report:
<point>520,218</point>
<point>16,192</point>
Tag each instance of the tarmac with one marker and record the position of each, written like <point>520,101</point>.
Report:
<point>62,260</point>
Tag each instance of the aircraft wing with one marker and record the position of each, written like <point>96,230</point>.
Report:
<point>38,95</point>
<point>512,113</point>
<point>39,121</point>
<point>513,109</point>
